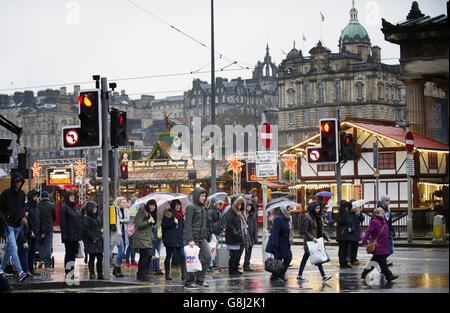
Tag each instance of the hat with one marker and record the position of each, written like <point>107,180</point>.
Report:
<point>385,198</point>
<point>44,194</point>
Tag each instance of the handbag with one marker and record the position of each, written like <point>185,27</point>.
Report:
<point>373,243</point>
<point>131,227</point>
<point>273,265</point>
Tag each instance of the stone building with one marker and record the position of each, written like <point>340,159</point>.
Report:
<point>354,80</point>
<point>423,42</point>
<point>251,96</point>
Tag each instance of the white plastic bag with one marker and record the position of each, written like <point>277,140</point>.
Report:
<point>373,277</point>
<point>317,252</point>
<point>192,260</point>
<point>156,256</point>
<point>80,253</point>
<point>213,246</point>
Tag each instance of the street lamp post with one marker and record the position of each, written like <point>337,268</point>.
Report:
<point>213,104</point>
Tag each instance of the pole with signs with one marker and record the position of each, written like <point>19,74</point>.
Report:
<point>376,171</point>
<point>409,141</point>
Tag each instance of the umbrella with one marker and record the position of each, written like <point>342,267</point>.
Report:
<point>324,194</point>
<point>279,204</point>
<point>163,200</point>
<point>221,196</point>
<point>359,203</point>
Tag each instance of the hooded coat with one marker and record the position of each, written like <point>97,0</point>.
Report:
<point>47,216</point>
<point>213,221</point>
<point>233,229</point>
<point>12,202</point>
<point>92,234</point>
<point>313,226</point>
<point>33,212</point>
<point>252,222</point>
<point>345,223</point>
<point>376,230</point>
<point>279,241</point>
<point>172,233</point>
<point>195,218</point>
<point>71,221</point>
<point>142,238</point>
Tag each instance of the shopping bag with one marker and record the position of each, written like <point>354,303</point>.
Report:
<point>156,255</point>
<point>80,253</point>
<point>192,260</point>
<point>317,252</point>
<point>131,227</point>
<point>223,256</point>
<point>213,246</point>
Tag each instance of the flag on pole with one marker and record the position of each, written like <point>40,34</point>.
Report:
<point>304,38</point>
<point>322,17</point>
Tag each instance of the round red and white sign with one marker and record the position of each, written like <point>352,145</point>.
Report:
<point>314,155</point>
<point>71,137</point>
<point>409,141</point>
<point>266,135</point>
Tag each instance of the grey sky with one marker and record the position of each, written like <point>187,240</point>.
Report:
<point>54,41</point>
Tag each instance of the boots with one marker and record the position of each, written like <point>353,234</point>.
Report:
<point>167,269</point>
<point>117,271</point>
<point>247,267</point>
<point>91,276</point>
<point>183,271</point>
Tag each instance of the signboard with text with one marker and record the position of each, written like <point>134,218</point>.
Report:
<point>251,173</point>
<point>59,176</point>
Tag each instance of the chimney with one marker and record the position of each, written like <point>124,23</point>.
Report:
<point>122,93</point>
<point>76,90</point>
<point>376,54</point>
<point>62,91</point>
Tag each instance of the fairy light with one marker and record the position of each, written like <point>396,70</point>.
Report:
<point>36,169</point>
<point>80,167</point>
<point>290,164</point>
<point>235,165</point>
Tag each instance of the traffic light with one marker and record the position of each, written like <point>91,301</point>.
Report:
<point>123,171</point>
<point>88,134</point>
<point>22,164</point>
<point>5,152</point>
<point>347,147</point>
<point>328,150</point>
<point>118,128</point>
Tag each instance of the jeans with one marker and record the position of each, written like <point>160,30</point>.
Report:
<point>248,256</point>
<point>45,249</point>
<point>71,252</point>
<point>130,253</point>
<point>11,249</point>
<point>286,262</point>
<point>235,257</point>
<point>205,258</point>
<point>170,255</point>
<point>120,251</point>
<point>92,257</point>
<point>23,256</point>
<point>303,264</point>
<point>154,263</point>
<point>343,250</point>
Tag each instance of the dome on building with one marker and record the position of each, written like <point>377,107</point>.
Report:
<point>293,54</point>
<point>354,32</point>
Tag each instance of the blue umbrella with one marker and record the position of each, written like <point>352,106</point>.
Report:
<point>324,194</point>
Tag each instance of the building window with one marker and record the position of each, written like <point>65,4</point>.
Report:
<point>337,91</point>
<point>306,116</point>
<point>290,139</point>
<point>359,91</point>
<point>291,119</point>
<point>330,167</point>
<point>321,91</point>
<point>386,161</point>
<point>307,92</point>
<point>291,96</point>
<point>380,91</point>
<point>432,161</point>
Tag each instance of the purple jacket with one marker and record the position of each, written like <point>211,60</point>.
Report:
<point>372,232</point>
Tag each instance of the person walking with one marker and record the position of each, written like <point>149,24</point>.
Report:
<point>378,231</point>
<point>142,241</point>
<point>23,244</point>
<point>344,232</point>
<point>252,223</point>
<point>130,254</point>
<point>93,239</point>
<point>214,225</point>
<point>12,206</point>
<point>279,243</point>
<point>195,234</point>
<point>118,237</point>
<point>155,266</point>
<point>384,203</point>
<point>47,216</point>
<point>33,218</point>
<point>357,218</point>
<point>172,236</point>
<point>313,229</point>
<point>236,234</point>
<point>71,231</point>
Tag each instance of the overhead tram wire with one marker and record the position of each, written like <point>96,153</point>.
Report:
<point>182,32</point>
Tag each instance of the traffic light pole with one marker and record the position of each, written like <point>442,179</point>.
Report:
<point>338,164</point>
<point>105,178</point>
<point>116,173</point>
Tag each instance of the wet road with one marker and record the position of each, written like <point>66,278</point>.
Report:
<point>424,270</point>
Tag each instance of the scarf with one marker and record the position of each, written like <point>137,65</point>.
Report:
<point>245,234</point>
<point>179,215</point>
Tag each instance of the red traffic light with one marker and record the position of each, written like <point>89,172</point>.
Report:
<point>121,120</point>
<point>348,140</point>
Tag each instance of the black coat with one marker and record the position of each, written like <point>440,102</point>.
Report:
<point>71,223</point>
<point>345,226</point>
<point>357,220</point>
<point>92,234</point>
<point>172,233</point>
<point>252,223</point>
<point>2,226</point>
<point>233,230</point>
<point>47,216</point>
<point>279,243</point>
<point>33,212</point>
<point>213,220</point>
<point>12,202</point>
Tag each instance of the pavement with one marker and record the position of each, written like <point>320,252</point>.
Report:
<point>421,270</point>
